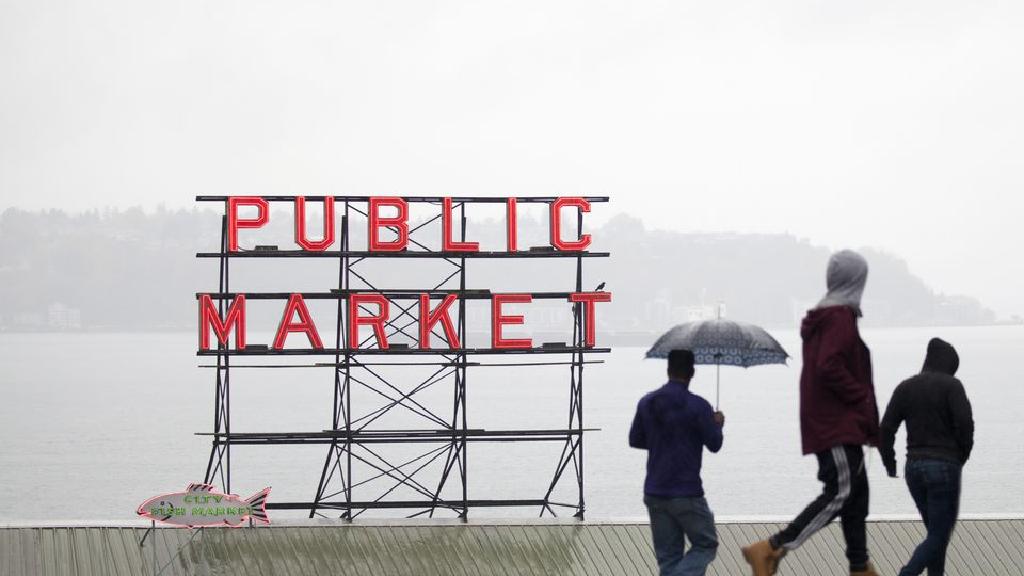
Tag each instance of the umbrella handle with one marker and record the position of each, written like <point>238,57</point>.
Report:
<point>718,381</point>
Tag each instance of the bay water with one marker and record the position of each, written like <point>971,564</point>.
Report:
<point>93,424</point>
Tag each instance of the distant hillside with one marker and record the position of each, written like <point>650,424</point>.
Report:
<point>131,270</point>
<point>768,279</point>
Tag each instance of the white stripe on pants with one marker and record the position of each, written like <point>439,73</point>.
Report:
<point>832,509</point>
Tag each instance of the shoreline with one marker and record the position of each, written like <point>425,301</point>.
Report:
<point>538,334</point>
<point>726,520</point>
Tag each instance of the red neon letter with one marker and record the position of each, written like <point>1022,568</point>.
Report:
<point>429,318</point>
<point>512,223</point>
<point>300,225</point>
<point>498,320</point>
<point>556,225</point>
<point>210,318</point>
<point>304,325</point>
<point>399,223</point>
<point>378,321</point>
<point>447,244</point>
<point>589,299</point>
<point>234,222</point>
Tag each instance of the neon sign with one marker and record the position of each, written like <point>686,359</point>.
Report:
<point>372,309</point>
<point>367,239</point>
<point>200,505</point>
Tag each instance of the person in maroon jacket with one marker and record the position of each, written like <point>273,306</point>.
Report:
<point>838,417</point>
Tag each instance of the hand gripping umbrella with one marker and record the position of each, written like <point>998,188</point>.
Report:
<point>721,343</point>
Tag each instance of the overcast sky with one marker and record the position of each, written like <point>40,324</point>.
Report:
<point>896,125</point>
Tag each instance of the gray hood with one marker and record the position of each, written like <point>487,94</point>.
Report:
<point>847,275</point>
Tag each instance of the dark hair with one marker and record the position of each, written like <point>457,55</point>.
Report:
<point>680,363</point>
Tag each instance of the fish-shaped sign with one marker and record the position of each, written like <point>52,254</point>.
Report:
<point>199,506</point>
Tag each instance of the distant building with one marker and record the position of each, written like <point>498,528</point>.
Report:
<point>61,317</point>
<point>704,312</point>
<point>28,320</point>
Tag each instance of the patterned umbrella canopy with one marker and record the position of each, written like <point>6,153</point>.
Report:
<point>723,343</point>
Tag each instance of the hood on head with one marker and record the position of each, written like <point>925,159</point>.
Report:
<point>941,357</point>
<point>846,277</point>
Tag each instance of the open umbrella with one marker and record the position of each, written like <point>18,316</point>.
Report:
<point>721,343</point>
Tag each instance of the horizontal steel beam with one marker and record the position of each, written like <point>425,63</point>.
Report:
<point>452,504</point>
<point>341,433</point>
<point>403,254</point>
<point>425,199</point>
<point>392,437</point>
<point>400,351</point>
<point>328,441</point>
<point>403,294</point>
<point>357,364</point>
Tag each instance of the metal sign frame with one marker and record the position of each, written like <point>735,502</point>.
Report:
<point>351,437</point>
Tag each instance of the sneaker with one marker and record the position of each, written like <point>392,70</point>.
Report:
<point>763,558</point>
<point>869,571</point>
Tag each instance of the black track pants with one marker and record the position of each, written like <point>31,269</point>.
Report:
<point>845,495</point>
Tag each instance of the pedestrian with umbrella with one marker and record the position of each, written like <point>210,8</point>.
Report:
<point>674,426</point>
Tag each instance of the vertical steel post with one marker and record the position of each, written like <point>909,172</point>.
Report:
<point>461,381</point>
<point>347,397</point>
<point>333,453</point>
<point>215,464</point>
<point>579,344</point>
<point>227,370</point>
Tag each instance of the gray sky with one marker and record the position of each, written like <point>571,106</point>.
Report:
<point>892,124</point>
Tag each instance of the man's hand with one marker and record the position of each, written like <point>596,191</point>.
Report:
<point>719,418</point>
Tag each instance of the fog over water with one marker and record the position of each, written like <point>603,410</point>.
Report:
<point>112,423</point>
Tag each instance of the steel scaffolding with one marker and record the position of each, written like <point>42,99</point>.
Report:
<point>352,439</point>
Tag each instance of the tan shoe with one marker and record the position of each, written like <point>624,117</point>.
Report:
<point>763,558</point>
<point>869,572</point>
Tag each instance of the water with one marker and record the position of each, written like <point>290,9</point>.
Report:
<point>93,424</point>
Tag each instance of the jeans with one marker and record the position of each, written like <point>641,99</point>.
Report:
<point>935,486</point>
<point>674,520</point>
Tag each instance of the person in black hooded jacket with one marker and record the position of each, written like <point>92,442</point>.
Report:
<point>940,436</point>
